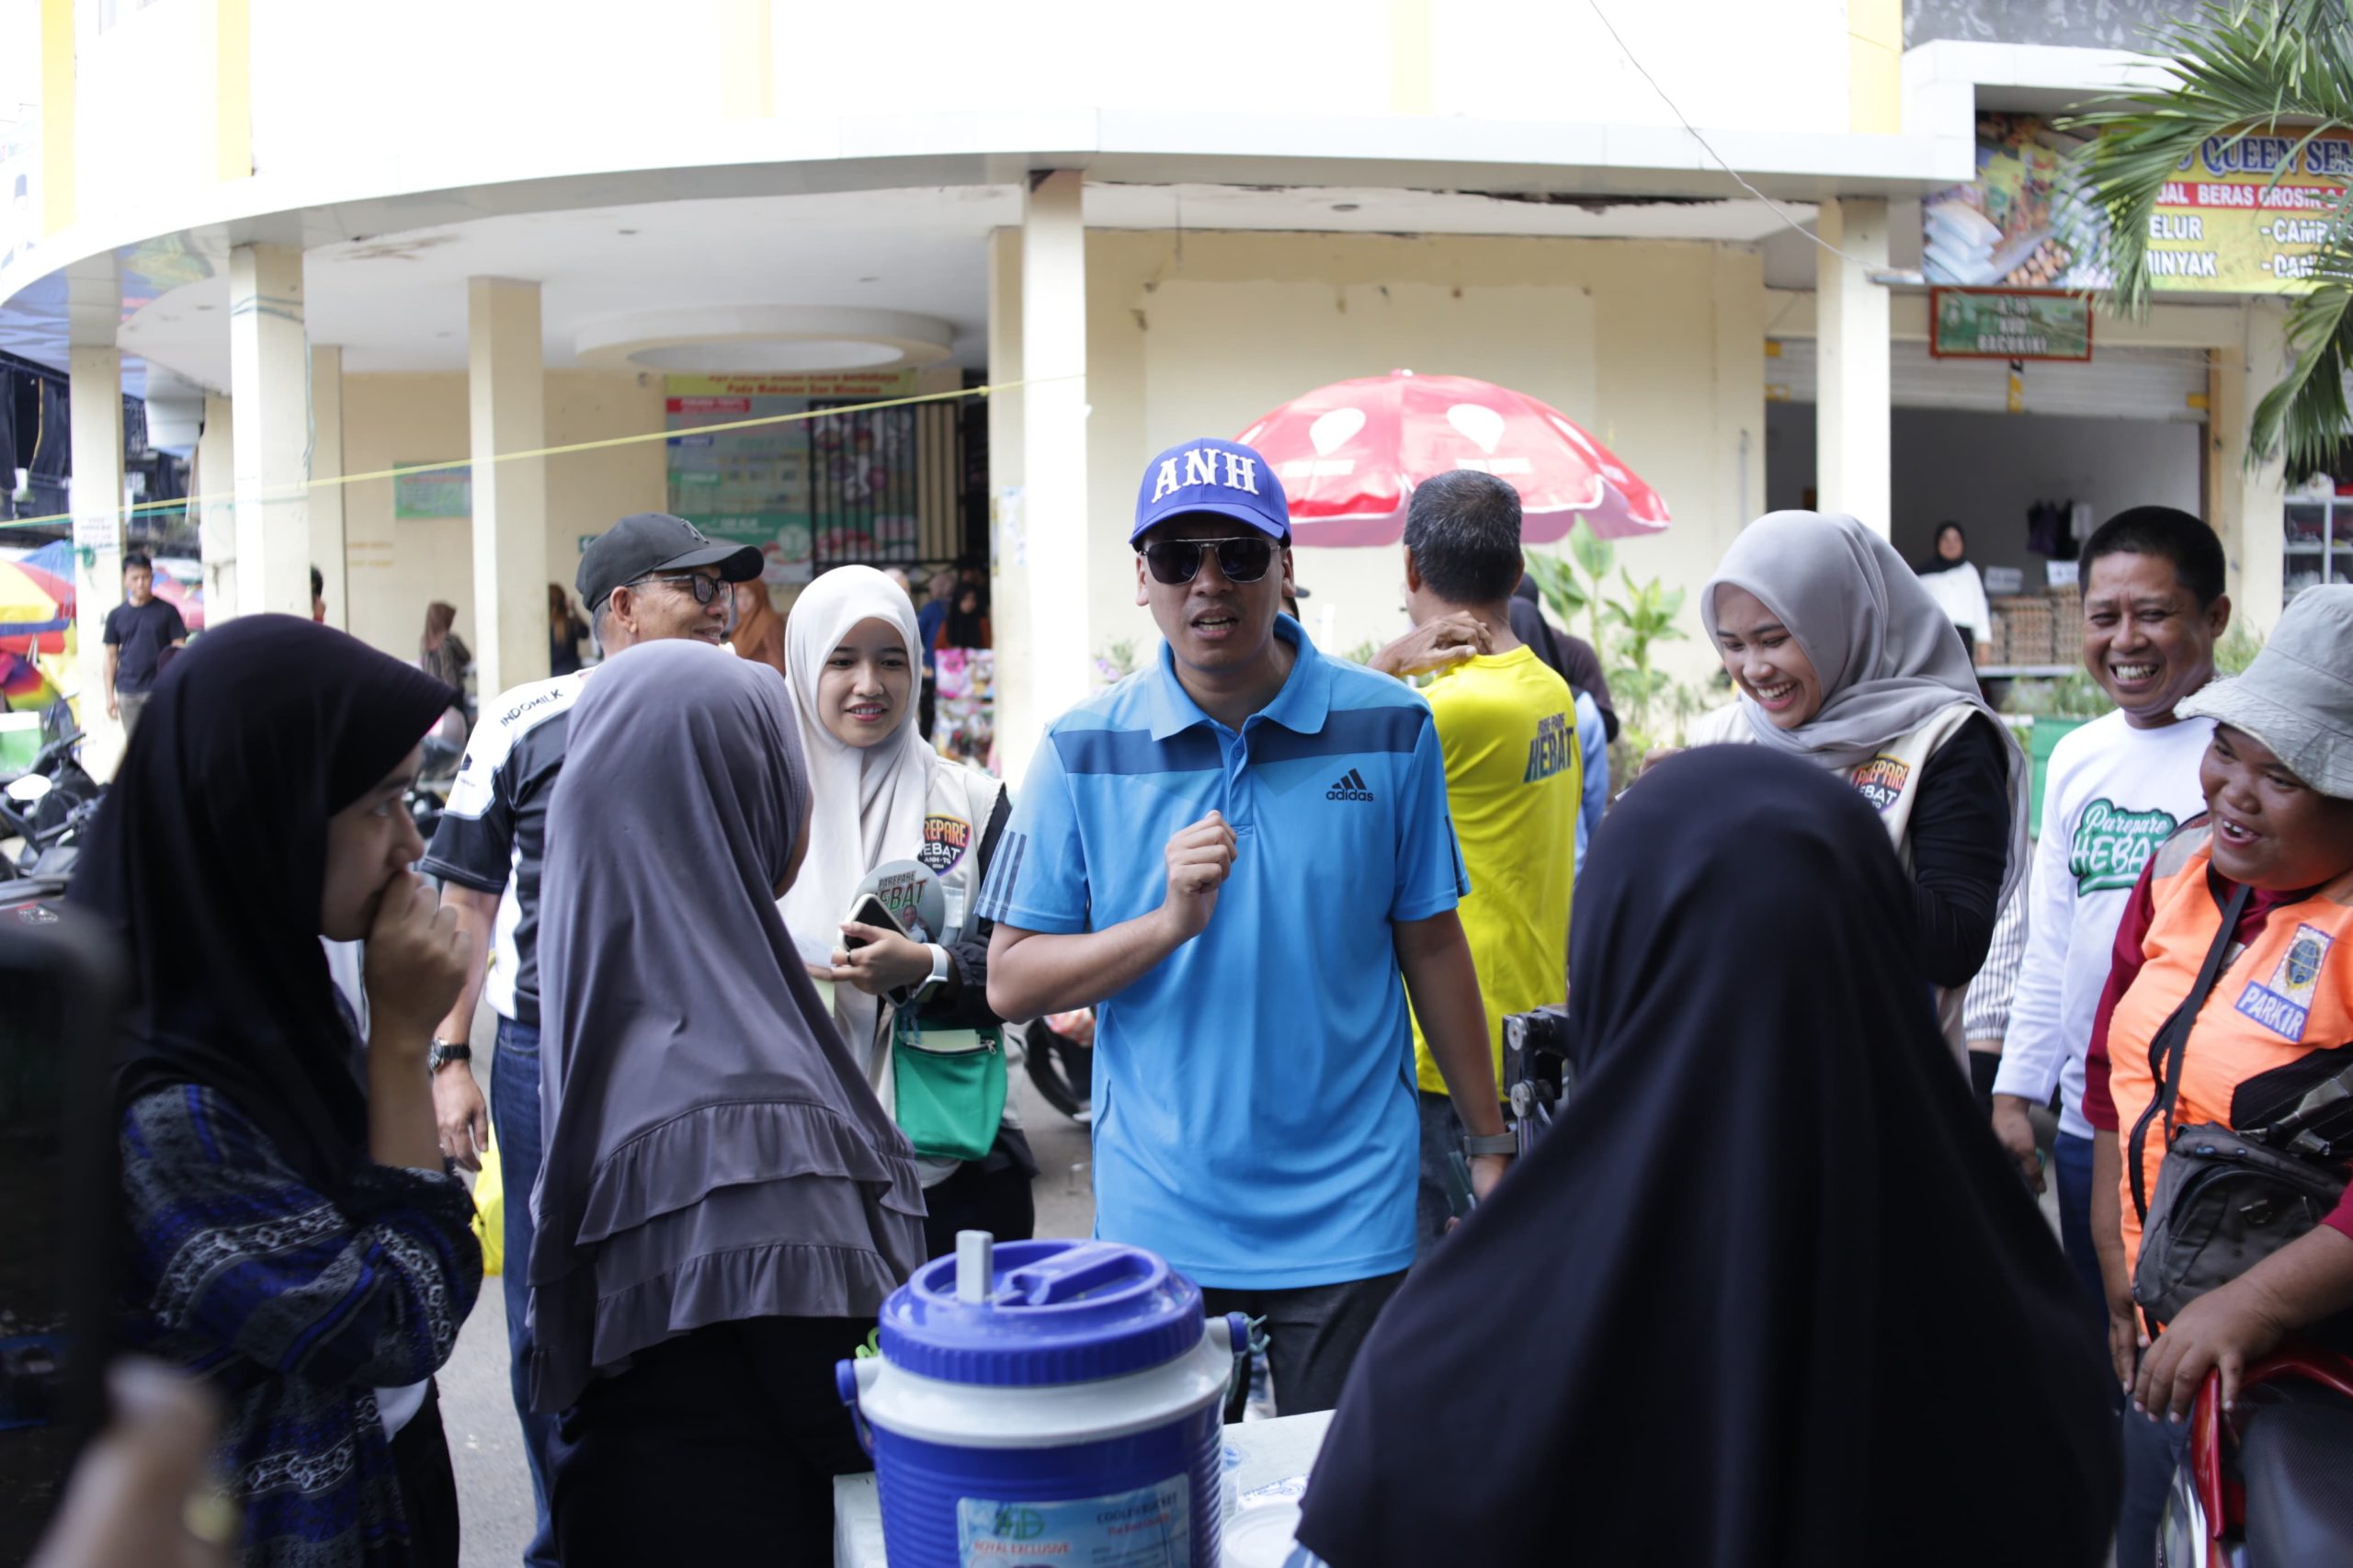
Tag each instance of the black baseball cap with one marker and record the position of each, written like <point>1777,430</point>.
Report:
<point>646,542</point>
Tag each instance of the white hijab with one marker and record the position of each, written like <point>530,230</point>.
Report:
<point>867,804</point>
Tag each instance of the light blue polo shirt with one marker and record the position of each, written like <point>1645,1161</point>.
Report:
<point>1255,1118</point>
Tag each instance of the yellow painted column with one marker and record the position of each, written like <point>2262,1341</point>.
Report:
<point>1410,67</point>
<point>507,388</point>
<point>94,402</point>
<point>1055,534</point>
<point>1017,723</point>
<point>269,379</point>
<point>1853,461</point>
<point>326,500</point>
<point>1875,67</point>
<point>215,480</point>
<point>232,98</point>
<point>57,173</point>
<point>2252,518</point>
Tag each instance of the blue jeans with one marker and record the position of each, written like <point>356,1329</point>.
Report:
<point>2152,1453</point>
<point>515,1121</point>
<point>2071,1159</point>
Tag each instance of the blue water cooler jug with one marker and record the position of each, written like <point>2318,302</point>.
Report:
<point>1047,1402</point>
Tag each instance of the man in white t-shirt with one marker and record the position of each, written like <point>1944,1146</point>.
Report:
<point>2118,788</point>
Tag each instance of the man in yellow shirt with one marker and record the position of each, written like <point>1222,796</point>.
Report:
<point>1507,724</point>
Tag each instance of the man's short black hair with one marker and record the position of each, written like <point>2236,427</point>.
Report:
<point>2165,531</point>
<point>138,559</point>
<point>1463,529</point>
<point>318,584</point>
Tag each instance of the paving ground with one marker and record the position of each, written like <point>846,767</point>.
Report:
<point>485,1445</point>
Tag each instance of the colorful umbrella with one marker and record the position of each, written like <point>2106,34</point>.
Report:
<point>1350,454</point>
<point>185,598</point>
<point>23,687</point>
<point>36,602</point>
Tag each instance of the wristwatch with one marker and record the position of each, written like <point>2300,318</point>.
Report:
<point>939,975</point>
<point>1475,1144</point>
<point>446,1052</point>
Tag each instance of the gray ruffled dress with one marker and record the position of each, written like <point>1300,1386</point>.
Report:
<point>713,1154</point>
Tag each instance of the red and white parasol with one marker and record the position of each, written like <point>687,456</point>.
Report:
<point>1350,454</point>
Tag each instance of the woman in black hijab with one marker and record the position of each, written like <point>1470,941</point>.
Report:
<point>293,1235</point>
<point>1766,1293</point>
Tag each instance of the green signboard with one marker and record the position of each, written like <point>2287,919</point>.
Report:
<point>436,492</point>
<point>2008,323</point>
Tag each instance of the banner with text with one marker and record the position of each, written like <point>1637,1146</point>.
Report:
<point>2246,215</point>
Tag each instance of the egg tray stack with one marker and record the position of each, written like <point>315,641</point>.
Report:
<point>2066,621</point>
<point>2023,628</point>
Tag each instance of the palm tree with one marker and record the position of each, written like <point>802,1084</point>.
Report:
<point>2243,67</point>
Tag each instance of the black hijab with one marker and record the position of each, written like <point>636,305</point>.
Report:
<point>1571,657</point>
<point>209,854</point>
<point>1934,562</point>
<point>1768,1293</point>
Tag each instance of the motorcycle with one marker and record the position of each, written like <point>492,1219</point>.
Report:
<point>2263,1485</point>
<point>47,807</point>
<point>1061,1060</point>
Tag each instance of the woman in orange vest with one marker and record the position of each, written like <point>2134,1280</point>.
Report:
<point>2277,1022</point>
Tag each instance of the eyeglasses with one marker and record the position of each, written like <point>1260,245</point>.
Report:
<point>1242,560</point>
<point>704,588</point>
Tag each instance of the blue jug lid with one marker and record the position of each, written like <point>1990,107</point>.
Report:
<point>1058,1312</point>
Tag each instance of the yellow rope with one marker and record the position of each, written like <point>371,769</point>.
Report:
<point>283,492</point>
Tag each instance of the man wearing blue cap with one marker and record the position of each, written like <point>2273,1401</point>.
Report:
<point>1236,855</point>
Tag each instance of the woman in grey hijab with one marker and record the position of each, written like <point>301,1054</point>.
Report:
<point>723,1205</point>
<point>1843,660</point>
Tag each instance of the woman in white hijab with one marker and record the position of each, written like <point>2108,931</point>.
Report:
<point>913,1006</point>
<point>1841,658</point>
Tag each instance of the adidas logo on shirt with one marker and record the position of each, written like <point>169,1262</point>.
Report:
<point>1349,788</point>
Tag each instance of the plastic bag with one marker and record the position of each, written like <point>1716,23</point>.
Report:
<point>490,1211</point>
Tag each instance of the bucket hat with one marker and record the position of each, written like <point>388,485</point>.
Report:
<point>2297,697</point>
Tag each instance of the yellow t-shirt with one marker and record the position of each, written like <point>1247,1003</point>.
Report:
<point>1513,777</point>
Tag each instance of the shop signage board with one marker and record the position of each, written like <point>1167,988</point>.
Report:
<point>437,493</point>
<point>2245,215</point>
<point>2008,323</point>
<point>831,385</point>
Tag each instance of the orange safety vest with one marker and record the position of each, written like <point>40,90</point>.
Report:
<point>2287,994</point>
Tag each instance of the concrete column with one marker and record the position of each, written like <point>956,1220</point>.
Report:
<point>216,517</point>
<point>1852,460</point>
<point>95,406</point>
<point>326,500</point>
<point>1055,534</point>
<point>2248,501</point>
<point>507,388</point>
<point>269,378</point>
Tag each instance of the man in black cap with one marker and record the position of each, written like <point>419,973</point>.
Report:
<point>650,577</point>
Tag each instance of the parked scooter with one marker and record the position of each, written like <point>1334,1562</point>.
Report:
<point>2264,1485</point>
<point>45,810</point>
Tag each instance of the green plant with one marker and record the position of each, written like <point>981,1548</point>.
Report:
<point>1363,652</point>
<point>2077,696</point>
<point>2243,67</point>
<point>1646,615</point>
<point>2236,651</point>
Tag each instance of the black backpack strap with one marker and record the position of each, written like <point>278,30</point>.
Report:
<point>2166,1051</point>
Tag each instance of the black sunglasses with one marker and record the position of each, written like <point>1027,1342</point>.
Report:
<point>1242,560</point>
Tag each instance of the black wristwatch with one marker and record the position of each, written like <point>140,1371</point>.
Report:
<point>446,1052</point>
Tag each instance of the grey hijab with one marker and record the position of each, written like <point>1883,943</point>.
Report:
<point>713,1153</point>
<point>1888,658</point>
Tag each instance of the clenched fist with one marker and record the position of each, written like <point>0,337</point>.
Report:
<point>1200,859</point>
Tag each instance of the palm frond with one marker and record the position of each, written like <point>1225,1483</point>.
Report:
<point>2241,68</point>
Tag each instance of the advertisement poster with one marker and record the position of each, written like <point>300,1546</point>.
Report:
<point>829,489</point>
<point>2245,215</point>
<point>440,492</point>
